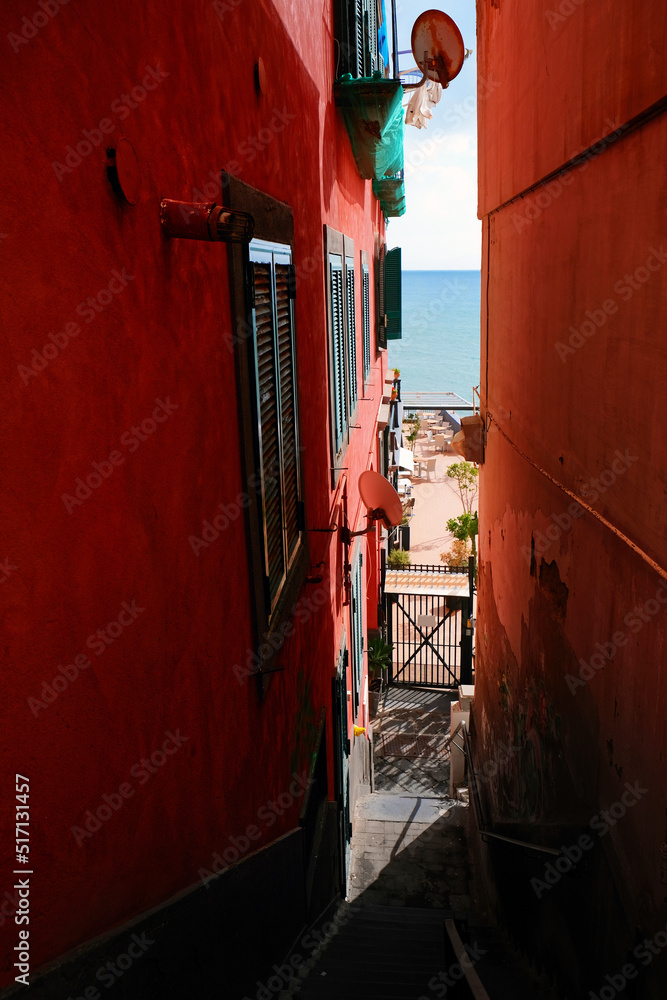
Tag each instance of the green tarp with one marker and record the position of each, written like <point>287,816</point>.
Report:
<point>391,193</point>
<point>372,108</point>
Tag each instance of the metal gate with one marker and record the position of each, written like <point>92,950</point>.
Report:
<point>428,613</point>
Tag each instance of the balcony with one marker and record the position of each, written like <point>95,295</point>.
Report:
<point>372,109</point>
<point>391,193</point>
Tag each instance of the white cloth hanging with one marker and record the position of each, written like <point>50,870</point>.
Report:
<point>422,101</point>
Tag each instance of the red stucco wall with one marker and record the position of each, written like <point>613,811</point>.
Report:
<point>160,336</point>
<point>574,368</point>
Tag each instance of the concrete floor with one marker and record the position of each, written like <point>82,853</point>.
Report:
<point>423,712</point>
<point>409,843</point>
<point>436,500</point>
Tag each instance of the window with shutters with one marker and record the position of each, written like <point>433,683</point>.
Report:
<point>393,294</point>
<point>263,316</point>
<point>379,297</point>
<point>343,361</point>
<point>356,31</point>
<point>271,284</point>
<point>357,627</point>
<point>351,331</point>
<point>366,312</point>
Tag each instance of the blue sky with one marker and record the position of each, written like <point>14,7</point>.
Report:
<point>440,229</point>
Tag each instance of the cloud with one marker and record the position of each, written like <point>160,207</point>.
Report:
<point>440,230</point>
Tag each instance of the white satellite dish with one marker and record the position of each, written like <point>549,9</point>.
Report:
<point>381,498</point>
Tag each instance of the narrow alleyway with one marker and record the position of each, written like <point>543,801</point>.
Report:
<point>410,872</point>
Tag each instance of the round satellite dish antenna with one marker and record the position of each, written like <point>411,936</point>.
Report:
<point>436,36</point>
<point>380,496</point>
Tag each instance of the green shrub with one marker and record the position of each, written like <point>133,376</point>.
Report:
<point>398,559</point>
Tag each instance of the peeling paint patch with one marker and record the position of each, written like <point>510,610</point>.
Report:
<point>553,589</point>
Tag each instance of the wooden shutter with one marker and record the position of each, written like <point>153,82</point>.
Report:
<point>351,331</point>
<point>380,299</point>
<point>338,349</point>
<point>269,435</point>
<point>392,294</point>
<point>367,321</point>
<point>288,410</point>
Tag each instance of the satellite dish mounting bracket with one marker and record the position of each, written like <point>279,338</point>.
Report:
<point>373,515</point>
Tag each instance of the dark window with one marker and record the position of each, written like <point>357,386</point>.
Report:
<point>263,290</point>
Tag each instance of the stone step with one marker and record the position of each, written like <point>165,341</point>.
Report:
<point>393,953</point>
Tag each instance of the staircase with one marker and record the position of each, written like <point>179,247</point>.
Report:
<point>384,952</point>
<point>410,873</point>
<point>401,953</point>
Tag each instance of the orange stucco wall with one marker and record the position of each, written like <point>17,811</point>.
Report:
<point>572,597</point>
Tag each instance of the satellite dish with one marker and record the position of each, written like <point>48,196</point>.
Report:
<point>436,35</point>
<point>380,496</point>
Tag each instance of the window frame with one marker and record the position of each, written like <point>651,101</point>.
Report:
<point>274,226</point>
<point>340,247</point>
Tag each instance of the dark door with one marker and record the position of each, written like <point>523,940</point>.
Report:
<point>342,753</point>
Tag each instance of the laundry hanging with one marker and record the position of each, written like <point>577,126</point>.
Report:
<point>422,101</point>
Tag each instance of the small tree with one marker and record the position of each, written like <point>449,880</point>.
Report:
<point>467,481</point>
<point>465,527</point>
<point>457,555</point>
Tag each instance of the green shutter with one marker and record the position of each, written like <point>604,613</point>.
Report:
<point>351,331</point>
<point>380,298</point>
<point>367,321</point>
<point>392,294</point>
<point>268,426</point>
<point>357,630</point>
<point>338,349</point>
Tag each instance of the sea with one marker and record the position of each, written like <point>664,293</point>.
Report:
<point>440,347</point>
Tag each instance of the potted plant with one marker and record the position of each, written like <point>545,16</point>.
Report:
<point>397,374</point>
<point>379,659</point>
<point>398,559</point>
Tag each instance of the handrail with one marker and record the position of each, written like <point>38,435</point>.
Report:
<point>481,823</point>
<point>473,981</point>
<point>433,568</point>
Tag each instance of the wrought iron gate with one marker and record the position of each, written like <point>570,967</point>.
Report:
<point>431,632</point>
